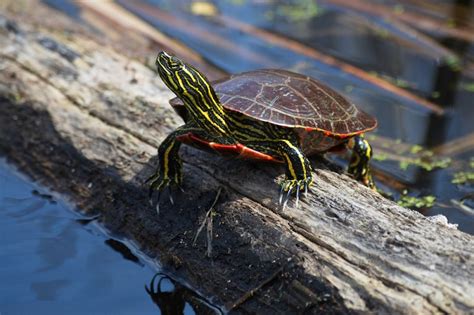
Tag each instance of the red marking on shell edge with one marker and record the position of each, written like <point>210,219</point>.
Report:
<point>237,150</point>
<point>343,136</point>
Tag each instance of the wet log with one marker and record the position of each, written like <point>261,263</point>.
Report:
<point>85,121</point>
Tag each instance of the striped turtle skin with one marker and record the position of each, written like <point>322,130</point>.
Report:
<point>270,115</point>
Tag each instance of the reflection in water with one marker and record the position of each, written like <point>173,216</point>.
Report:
<point>55,262</point>
<point>48,290</point>
<point>176,299</point>
<point>169,302</point>
<point>123,250</point>
<point>55,250</point>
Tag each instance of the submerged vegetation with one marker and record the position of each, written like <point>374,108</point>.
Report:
<point>416,202</point>
<point>298,11</point>
<point>409,155</point>
<point>427,163</point>
<point>464,177</point>
<point>461,178</point>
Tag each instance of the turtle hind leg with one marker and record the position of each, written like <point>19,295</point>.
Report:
<point>359,163</point>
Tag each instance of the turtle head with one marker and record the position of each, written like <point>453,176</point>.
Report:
<point>185,81</point>
<point>167,65</point>
<point>195,90</point>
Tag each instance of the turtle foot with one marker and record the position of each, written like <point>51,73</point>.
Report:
<point>159,183</point>
<point>361,173</point>
<point>293,186</point>
<point>359,164</point>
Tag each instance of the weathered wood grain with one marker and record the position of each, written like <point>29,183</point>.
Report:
<point>86,122</point>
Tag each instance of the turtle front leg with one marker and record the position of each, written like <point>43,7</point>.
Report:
<point>298,169</point>
<point>359,164</point>
<point>169,171</point>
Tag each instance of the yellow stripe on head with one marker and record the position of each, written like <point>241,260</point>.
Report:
<point>195,91</point>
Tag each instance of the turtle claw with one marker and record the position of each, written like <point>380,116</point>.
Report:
<point>281,195</point>
<point>159,183</point>
<point>286,199</point>
<point>297,195</point>
<point>158,207</point>
<point>170,195</point>
<point>290,186</point>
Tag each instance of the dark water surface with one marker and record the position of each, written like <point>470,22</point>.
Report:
<point>52,262</point>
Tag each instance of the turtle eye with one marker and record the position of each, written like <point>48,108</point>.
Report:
<point>174,64</point>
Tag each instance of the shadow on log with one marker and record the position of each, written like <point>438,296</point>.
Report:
<point>86,122</point>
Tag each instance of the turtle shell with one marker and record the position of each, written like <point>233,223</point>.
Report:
<point>292,100</point>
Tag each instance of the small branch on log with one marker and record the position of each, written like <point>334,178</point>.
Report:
<point>251,293</point>
<point>207,222</point>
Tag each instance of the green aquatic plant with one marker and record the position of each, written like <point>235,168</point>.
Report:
<point>383,33</point>
<point>461,178</point>
<point>416,202</point>
<point>238,2</point>
<point>380,157</point>
<point>451,23</point>
<point>398,8</point>
<point>425,159</point>
<point>297,11</point>
<point>203,8</point>
<point>348,88</point>
<point>435,94</point>
<point>426,165</point>
<point>415,149</point>
<point>453,62</point>
<point>468,87</point>
<point>395,81</point>
<point>407,155</point>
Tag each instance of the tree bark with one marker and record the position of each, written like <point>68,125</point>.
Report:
<point>86,121</point>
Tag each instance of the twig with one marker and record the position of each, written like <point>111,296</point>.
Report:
<point>207,222</point>
<point>251,292</point>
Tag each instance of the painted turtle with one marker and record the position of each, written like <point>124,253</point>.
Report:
<point>271,115</point>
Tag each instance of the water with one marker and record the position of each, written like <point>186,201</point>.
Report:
<point>56,262</point>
